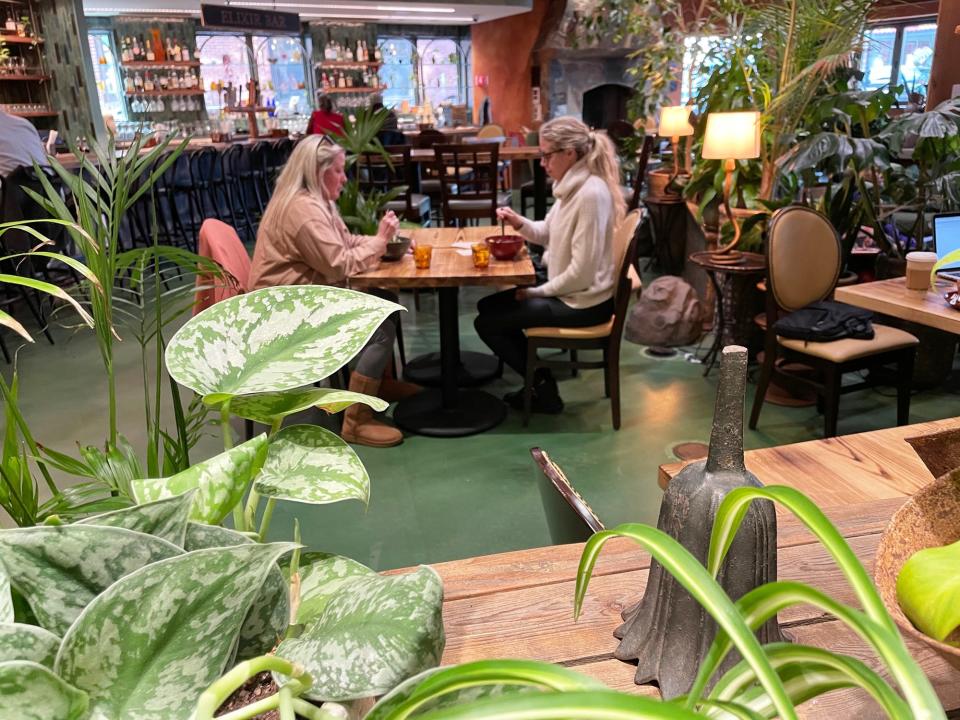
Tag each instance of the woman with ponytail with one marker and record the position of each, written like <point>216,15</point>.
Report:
<point>302,240</point>
<point>578,236</point>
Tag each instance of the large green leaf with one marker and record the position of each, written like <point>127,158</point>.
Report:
<point>321,577</point>
<point>310,464</point>
<point>220,481</point>
<point>267,620</point>
<point>28,642</point>
<point>60,569</point>
<point>269,407</point>
<point>274,339</point>
<point>152,642</point>
<point>165,518</point>
<point>928,589</point>
<point>374,633</point>
<point>6,599</point>
<point>29,691</point>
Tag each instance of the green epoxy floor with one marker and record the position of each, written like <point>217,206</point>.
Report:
<point>441,499</point>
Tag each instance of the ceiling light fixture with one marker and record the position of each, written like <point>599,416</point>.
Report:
<point>398,18</point>
<point>142,11</point>
<point>329,6</point>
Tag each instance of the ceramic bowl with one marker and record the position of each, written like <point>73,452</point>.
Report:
<point>396,249</point>
<point>931,518</point>
<point>505,247</point>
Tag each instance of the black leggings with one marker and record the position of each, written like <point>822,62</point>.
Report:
<point>502,319</point>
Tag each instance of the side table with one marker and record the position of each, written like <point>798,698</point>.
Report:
<point>732,283</point>
<point>668,226</point>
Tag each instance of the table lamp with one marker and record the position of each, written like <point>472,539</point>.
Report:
<point>731,136</point>
<point>674,124</point>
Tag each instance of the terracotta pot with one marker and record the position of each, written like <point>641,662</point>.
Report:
<point>657,182</point>
<point>931,518</point>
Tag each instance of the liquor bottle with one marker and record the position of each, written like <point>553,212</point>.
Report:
<point>174,82</point>
<point>135,50</point>
<point>341,80</point>
<point>138,82</point>
<point>125,50</point>
<point>10,25</point>
<point>185,52</point>
<point>324,82</point>
<point>172,53</point>
<point>147,82</point>
<point>151,56</point>
<point>128,86</point>
<point>375,77</point>
<point>349,80</point>
<point>164,81</point>
<point>377,55</point>
<point>361,55</point>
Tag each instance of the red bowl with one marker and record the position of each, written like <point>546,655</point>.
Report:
<point>505,247</point>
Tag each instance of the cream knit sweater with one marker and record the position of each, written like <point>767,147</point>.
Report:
<point>578,234</point>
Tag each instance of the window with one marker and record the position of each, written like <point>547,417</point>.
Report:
<point>898,55</point>
<point>224,59</point>
<point>417,70</point>
<point>439,71</point>
<point>698,64</point>
<point>280,71</point>
<point>107,74</point>
<point>399,71</point>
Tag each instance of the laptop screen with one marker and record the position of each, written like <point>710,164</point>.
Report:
<point>946,236</point>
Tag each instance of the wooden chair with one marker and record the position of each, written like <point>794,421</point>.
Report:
<point>643,157</point>
<point>605,337</point>
<point>803,264</point>
<point>468,182</point>
<point>380,173</point>
<point>429,176</point>
<point>569,517</point>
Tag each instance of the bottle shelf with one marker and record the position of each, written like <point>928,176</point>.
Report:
<point>355,89</point>
<point>17,40</point>
<point>182,93</point>
<point>36,114</point>
<point>41,78</point>
<point>169,65</point>
<point>347,64</point>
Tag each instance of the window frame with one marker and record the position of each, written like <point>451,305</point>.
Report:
<point>899,25</point>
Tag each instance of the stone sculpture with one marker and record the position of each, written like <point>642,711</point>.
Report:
<point>668,632</point>
<point>668,314</point>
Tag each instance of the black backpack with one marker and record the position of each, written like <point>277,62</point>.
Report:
<point>825,321</point>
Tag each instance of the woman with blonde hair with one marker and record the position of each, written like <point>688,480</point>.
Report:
<point>578,236</point>
<point>302,240</point>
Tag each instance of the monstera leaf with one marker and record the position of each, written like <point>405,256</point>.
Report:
<point>165,518</point>
<point>28,642</point>
<point>321,577</point>
<point>376,632</point>
<point>220,481</point>
<point>268,408</point>
<point>274,339</point>
<point>267,620</point>
<point>60,569</point>
<point>29,691</point>
<point>309,464</point>
<point>153,641</point>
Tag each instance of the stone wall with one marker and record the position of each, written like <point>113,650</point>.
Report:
<point>570,77</point>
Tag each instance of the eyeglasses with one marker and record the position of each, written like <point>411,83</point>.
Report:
<point>548,155</point>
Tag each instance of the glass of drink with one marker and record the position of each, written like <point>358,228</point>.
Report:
<point>481,255</point>
<point>422,255</point>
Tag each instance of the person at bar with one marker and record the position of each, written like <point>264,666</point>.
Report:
<point>325,120</point>
<point>302,240</point>
<point>19,144</point>
<point>578,236</point>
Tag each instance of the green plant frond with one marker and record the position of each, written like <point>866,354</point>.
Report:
<point>724,710</point>
<point>802,683</point>
<point>49,289</point>
<point>7,320</point>
<point>685,568</point>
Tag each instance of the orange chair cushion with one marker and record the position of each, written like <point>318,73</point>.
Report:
<point>572,333</point>
<point>838,351</point>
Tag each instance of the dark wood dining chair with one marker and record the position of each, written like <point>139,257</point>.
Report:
<point>569,517</point>
<point>379,172</point>
<point>605,337</point>
<point>469,182</point>
<point>803,264</point>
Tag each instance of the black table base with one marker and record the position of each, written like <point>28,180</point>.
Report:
<point>475,369</point>
<point>472,412</point>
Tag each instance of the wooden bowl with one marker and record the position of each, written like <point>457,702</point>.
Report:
<point>931,518</point>
<point>505,247</point>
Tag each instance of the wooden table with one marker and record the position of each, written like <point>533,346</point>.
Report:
<point>449,411</point>
<point>520,604</point>
<point>891,297</point>
<point>847,469</point>
<point>454,133</point>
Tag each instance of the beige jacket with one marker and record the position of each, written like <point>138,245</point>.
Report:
<point>311,246</point>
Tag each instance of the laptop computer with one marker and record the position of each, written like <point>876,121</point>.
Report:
<point>946,239</point>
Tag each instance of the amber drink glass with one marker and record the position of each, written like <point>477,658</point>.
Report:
<point>481,255</point>
<point>422,255</point>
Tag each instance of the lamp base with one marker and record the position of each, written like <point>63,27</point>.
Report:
<point>731,257</point>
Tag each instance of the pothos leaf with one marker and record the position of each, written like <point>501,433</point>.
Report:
<point>6,599</point>
<point>153,641</point>
<point>321,577</point>
<point>267,620</point>
<point>220,481</point>
<point>165,518</point>
<point>274,339</point>
<point>271,406</point>
<point>310,464</point>
<point>28,642</point>
<point>32,692</point>
<point>377,632</point>
<point>60,569</point>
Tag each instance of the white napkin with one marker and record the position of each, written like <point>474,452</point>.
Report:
<point>465,253</point>
<point>462,244</point>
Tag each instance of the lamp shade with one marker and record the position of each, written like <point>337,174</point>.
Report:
<point>675,121</point>
<point>732,136</point>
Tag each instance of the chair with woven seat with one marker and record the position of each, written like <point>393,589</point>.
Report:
<point>803,264</point>
<point>569,517</point>
<point>605,337</point>
<point>469,181</point>
<point>379,172</point>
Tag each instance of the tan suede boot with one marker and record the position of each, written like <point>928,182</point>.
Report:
<point>359,427</point>
<point>393,389</point>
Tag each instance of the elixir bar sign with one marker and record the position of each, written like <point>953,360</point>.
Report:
<point>221,16</point>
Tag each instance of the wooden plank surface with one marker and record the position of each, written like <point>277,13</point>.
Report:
<point>450,266</point>
<point>891,297</point>
<point>846,469</point>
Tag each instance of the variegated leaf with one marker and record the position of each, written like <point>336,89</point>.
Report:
<point>28,642</point>
<point>60,569</point>
<point>29,691</point>
<point>271,406</point>
<point>266,622</point>
<point>6,599</point>
<point>152,642</point>
<point>374,633</point>
<point>307,463</point>
<point>165,518</point>
<point>220,482</point>
<point>278,338</point>
<point>321,577</point>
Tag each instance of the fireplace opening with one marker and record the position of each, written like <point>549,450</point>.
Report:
<point>605,104</point>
